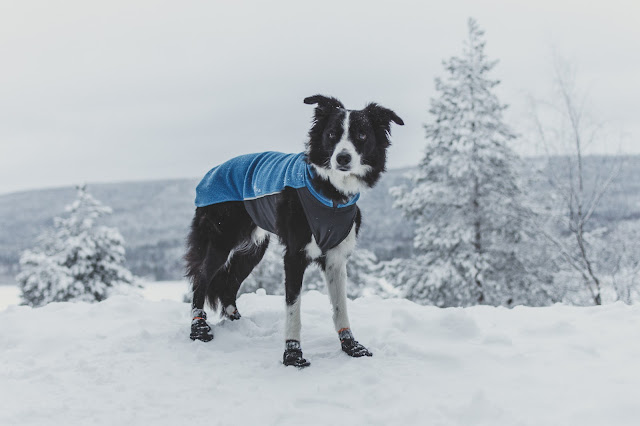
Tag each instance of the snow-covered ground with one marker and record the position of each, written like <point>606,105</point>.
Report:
<point>129,360</point>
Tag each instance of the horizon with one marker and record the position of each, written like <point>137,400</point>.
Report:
<point>196,178</point>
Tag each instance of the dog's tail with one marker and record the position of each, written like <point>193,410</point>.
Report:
<point>197,270</point>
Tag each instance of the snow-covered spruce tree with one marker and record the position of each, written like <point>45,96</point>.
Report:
<point>465,198</point>
<point>78,261</point>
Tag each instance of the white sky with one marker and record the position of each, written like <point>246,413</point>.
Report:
<point>127,90</point>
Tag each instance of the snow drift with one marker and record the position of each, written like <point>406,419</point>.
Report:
<point>128,360</point>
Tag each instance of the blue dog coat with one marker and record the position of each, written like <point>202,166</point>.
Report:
<point>259,179</point>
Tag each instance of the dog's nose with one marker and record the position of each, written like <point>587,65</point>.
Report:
<point>343,159</point>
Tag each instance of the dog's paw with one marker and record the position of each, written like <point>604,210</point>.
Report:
<point>355,349</point>
<point>293,355</point>
<point>231,313</point>
<point>351,346</point>
<point>200,330</point>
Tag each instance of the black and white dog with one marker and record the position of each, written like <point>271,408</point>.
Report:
<point>307,200</point>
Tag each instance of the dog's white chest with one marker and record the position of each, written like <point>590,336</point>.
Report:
<point>313,250</point>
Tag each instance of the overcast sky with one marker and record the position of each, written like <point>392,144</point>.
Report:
<point>128,90</point>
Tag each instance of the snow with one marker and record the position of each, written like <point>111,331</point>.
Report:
<point>165,290</point>
<point>128,360</point>
<point>9,295</point>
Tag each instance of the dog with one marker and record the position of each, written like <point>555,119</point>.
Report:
<point>307,200</point>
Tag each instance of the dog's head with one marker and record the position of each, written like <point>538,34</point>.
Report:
<point>348,148</point>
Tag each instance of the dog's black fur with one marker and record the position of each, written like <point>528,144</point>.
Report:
<point>219,229</point>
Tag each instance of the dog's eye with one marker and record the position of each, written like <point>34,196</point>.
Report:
<point>332,134</point>
<point>362,136</point>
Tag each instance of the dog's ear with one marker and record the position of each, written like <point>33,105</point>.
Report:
<point>325,103</point>
<point>382,116</point>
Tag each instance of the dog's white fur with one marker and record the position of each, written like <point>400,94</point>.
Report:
<point>336,278</point>
<point>292,323</point>
<point>259,235</point>
<point>313,250</point>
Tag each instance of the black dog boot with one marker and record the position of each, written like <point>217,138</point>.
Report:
<point>200,330</point>
<point>351,345</point>
<point>293,355</point>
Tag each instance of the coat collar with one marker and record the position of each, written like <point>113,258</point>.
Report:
<point>310,174</point>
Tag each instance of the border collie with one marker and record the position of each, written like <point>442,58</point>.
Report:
<point>308,200</point>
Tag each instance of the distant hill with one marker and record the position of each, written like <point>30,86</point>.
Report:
<point>154,216</point>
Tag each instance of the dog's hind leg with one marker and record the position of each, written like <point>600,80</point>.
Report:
<point>215,231</point>
<point>201,282</point>
<point>230,278</point>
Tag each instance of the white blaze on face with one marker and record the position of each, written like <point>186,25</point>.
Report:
<point>345,146</point>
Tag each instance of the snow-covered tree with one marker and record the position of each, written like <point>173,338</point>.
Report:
<point>365,277</point>
<point>465,198</point>
<point>78,261</point>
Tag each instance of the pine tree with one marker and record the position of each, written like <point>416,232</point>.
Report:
<point>78,261</point>
<point>465,197</point>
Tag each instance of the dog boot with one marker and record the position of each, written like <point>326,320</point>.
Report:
<point>200,330</point>
<point>351,345</point>
<point>293,355</point>
<point>231,313</point>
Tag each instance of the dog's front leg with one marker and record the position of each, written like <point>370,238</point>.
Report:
<point>335,272</point>
<point>294,267</point>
